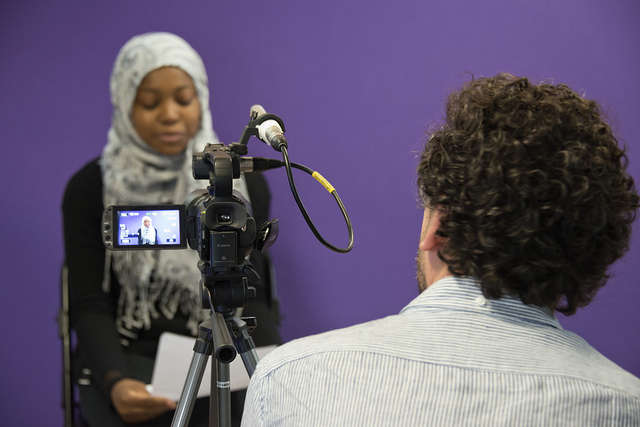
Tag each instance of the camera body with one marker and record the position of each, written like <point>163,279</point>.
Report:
<point>221,230</point>
<point>219,226</point>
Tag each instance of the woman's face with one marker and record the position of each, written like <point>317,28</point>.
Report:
<point>166,111</point>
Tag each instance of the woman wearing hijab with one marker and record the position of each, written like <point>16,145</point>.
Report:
<point>122,301</point>
<point>147,234</point>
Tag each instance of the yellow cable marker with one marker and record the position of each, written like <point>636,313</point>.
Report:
<point>323,181</point>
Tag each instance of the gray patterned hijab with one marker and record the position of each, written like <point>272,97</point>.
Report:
<point>134,173</point>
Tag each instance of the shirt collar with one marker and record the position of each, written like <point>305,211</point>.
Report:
<point>464,294</point>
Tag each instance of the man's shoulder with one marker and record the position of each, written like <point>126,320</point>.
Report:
<point>597,369</point>
<point>360,337</point>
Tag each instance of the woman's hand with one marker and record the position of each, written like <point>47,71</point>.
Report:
<point>134,404</point>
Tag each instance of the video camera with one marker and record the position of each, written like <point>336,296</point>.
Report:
<point>215,222</point>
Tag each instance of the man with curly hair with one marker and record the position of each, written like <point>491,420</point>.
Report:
<point>527,205</point>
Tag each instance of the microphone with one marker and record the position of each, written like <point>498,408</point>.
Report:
<point>269,131</point>
<point>258,164</point>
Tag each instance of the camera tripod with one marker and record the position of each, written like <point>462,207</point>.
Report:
<point>215,338</point>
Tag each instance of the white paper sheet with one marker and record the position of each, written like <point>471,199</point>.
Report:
<point>172,367</point>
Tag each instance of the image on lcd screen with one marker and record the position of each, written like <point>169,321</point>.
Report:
<point>148,228</point>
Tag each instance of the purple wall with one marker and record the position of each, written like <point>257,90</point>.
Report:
<point>356,82</point>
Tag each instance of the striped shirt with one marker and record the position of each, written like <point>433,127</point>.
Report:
<point>450,358</point>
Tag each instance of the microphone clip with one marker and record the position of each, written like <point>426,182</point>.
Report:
<point>259,128</point>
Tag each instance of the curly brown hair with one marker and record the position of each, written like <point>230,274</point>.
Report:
<point>532,188</point>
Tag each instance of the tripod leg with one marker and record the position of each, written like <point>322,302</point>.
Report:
<point>250,360</point>
<point>220,408</point>
<point>220,403</point>
<point>244,343</point>
<point>202,350</point>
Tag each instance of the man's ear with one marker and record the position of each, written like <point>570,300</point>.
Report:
<point>430,238</point>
